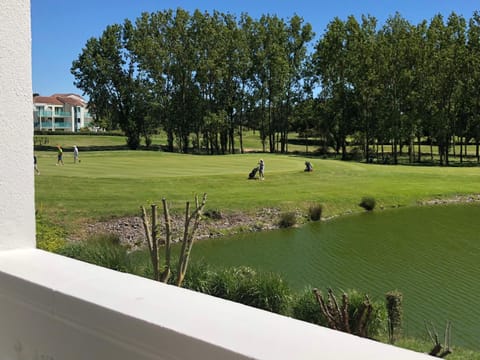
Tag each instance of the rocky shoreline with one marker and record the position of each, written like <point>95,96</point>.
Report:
<point>131,233</point>
<point>130,230</point>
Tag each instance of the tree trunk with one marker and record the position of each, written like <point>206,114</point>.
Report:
<point>477,150</point>
<point>240,137</point>
<point>419,157</point>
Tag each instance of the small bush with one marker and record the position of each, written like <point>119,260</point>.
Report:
<point>49,237</point>
<point>368,203</point>
<point>355,154</point>
<point>265,291</point>
<point>315,212</point>
<point>103,250</point>
<point>213,214</point>
<point>378,319</point>
<point>225,283</point>
<point>305,307</point>
<point>287,219</point>
<point>198,277</point>
<point>139,263</point>
<point>244,285</point>
<point>394,300</point>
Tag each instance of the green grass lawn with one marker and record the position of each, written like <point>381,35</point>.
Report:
<point>67,141</point>
<point>251,141</point>
<point>116,183</point>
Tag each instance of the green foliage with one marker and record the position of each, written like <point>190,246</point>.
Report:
<point>368,203</point>
<point>224,283</point>
<point>315,212</point>
<point>378,318</point>
<point>287,219</point>
<point>214,214</point>
<point>424,346</point>
<point>265,291</point>
<point>49,237</point>
<point>103,250</point>
<point>198,277</point>
<point>83,132</point>
<point>394,305</point>
<point>244,285</point>
<point>305,307</point>
<point>138,263</point>
<point>103,67</point>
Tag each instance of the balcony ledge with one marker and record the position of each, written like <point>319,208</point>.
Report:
<point>60,308</point>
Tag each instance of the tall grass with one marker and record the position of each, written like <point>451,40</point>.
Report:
<point>103,250</point>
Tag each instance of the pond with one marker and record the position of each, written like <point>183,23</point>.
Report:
<point>430,254</point>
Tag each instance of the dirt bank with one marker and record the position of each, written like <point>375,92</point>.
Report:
<point>130,230</point>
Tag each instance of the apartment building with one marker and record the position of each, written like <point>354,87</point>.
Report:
<point>60,112</point>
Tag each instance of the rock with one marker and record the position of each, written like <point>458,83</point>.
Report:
<point>131,233</point>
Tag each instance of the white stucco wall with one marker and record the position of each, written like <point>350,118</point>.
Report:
<point>17,214</point>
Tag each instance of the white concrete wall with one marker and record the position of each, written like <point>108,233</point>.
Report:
<point>56,308</point>
<point>17,224</point>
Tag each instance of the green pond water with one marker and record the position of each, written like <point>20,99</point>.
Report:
<point>430,254</point>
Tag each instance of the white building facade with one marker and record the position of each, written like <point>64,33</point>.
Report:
<point>60,112</point>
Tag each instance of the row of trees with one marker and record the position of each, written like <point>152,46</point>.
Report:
<point>204,77</point>
<point>401,83</point>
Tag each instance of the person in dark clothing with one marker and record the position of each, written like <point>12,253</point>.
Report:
<point>35,165</point>
<point>59,155</point>
<point>308,166</point>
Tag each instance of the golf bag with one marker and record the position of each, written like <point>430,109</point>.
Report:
<point>253,173</point>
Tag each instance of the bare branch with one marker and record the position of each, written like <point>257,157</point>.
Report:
<point>167,272</point>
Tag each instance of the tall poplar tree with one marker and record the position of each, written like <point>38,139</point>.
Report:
<point>107,73</point>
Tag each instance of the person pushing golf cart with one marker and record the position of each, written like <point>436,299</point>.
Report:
<point>252,175</point>
<point>260,169</point>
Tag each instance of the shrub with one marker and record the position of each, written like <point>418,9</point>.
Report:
<point>265,291</point>
<point>355,154</point>
<point>394,301</point>
<point>103,250</point>
<point>315,212</point>
<point>305,307</point>
<point>49,237</point>
<point>225,283</point>
<point>214,214</point>
<point>287,219</point>
<point>377,323</point>
<point>139,263</point>
<point>368,203</point>
<point>198,278</point>
<point>244,285</point>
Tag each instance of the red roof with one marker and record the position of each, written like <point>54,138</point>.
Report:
<point>46,100</point>
<point>60,99</point>
<point>71,101</point>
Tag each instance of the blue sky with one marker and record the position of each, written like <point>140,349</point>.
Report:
<point>60,29</point>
